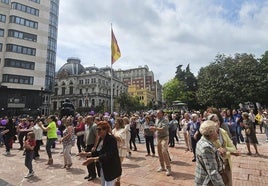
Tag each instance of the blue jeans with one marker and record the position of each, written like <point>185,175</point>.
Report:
<point>239,134</point>
<point>28,160</point>
<point>50,142</point>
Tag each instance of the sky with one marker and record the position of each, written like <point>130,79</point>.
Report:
<point>161,34</point>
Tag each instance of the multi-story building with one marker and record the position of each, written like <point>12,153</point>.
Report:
<point>142,79</point>
<point>145,96</point>
<point>85,87</point>
<point>28,42</point>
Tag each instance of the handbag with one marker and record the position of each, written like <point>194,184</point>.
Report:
<point>80,133</point>
<point>248,131</point>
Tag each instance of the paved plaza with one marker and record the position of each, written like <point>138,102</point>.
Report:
<point>139,170</point>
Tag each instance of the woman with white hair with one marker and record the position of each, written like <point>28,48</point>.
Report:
<point>225,146</point>
<point>209,164</point>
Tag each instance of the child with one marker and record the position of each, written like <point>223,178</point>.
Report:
<point>29,149</point>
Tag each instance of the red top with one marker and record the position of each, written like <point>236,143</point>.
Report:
<point>31,142</point>
<point>80,127</point>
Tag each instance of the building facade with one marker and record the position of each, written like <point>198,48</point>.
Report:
<point>141,82</point>
<point>85,87</point>
<point>28,43</point>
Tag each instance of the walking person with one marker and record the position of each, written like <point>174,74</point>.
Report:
<point>149,135</point>
<point>38,132</point>
<point>52,136</point>
<point>238,119</point>
<point>173,125</point>
<point>161,129</point>
<point>193,129</point>
<point>259,119</point>
<point>8,134</point>
<point>128,136</point>
<point>138,127</point>
<point>68,141</point>
<point>265,124</point>
<point>80,133</point>
<point>22,130</point>
<point>133,133</point>
<point>184,123</point>
<point>91,141</point>
<point>119,133</point>
<point>250,133</point>
<point>29,153</point>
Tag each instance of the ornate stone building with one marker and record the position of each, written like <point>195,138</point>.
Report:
<point>85,87</point>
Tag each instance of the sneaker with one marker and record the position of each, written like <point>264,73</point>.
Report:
<point>6,153</point>
<point>267,140</point>
<point>161,169</point>
<point>30,174</point>
<point>168,172</point>
<point>153,155</point>
<point>147,154</point>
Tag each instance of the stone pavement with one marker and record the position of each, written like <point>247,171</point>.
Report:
<point>137,171</point>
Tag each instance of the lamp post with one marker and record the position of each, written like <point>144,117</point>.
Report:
<point>42,101</point>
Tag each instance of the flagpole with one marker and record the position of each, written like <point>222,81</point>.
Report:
<point>111,76</point>
<point>115,54</point>
<point>111,88</point>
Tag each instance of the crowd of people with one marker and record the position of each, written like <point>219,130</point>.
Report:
<point>106,140</point>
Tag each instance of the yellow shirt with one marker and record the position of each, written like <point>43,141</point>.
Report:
<point>52,130</point>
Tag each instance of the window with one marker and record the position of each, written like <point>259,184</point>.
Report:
<point>10,78</point>
<point>56,92</point>
<point>24,8</point>
<point>24,22</point>
<point>19,64</point>
<point>35,1</point>
<point>5,1</point>
<point>2,31</point>
<point>22,35</point>
<point>1,46</point>
<point>20,49</point>
<point>2,18</point>
<point>63,91</point>
<point>71,91</point>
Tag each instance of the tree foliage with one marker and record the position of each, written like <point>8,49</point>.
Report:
<point>128,103</point>
<point>229,81</point>
<point>172,91</point>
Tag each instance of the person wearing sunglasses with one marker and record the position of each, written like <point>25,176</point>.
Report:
<point>106,155</point>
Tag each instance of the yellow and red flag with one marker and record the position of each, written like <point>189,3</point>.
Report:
<point>116,54</point>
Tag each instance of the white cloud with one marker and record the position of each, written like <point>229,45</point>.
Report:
<point>161,33</point>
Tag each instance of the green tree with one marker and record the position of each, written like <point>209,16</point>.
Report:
<point>188,83</point>
<point>229,81</point>
<point>172,90</point>
<point>128,103</point>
